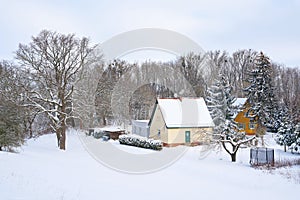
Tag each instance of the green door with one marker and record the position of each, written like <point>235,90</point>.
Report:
<point>187,137</point>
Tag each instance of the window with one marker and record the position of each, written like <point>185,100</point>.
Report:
<point>241,126</point>
<point>252,125</point>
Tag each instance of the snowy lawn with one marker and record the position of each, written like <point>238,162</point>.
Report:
<point>41,171</point>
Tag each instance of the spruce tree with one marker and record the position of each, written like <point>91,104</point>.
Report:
<point>219,101</point>
<point>295,147</point>
<point>286,135</point>
<point>216,104</point>
<point>10,127</point>
<point>226,132</point>
<point>260,92</point>
<point>11,112</point>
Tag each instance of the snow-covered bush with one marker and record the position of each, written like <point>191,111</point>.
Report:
<point>138,141</point>
<point>295,147</point>
<point>285,136</point>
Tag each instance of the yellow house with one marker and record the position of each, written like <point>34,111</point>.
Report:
<point>177,121</point>
<point>245,124</point>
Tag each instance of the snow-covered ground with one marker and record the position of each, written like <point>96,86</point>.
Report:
<point>41,171</point>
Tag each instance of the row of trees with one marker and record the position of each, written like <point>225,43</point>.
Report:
<point>195,73</point>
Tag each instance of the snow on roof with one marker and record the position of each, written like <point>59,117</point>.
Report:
<point>239,102</point>
<point>142,120</point>
<point>185,112</point>
<point>109,128</point>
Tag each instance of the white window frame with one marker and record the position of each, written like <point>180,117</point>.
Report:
<point>241,126</point>
<point>252,125</point>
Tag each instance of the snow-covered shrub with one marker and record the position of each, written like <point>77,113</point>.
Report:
<point>138,141</point>
<point>295,147</point>
<point>285,136</point>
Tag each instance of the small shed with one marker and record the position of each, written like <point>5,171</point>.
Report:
<point>140,127</point>
<point>113,132</point>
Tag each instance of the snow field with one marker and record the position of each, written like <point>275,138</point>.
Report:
<point>41,171</point>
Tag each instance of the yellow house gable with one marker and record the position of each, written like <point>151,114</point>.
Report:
<point>158,129</point>
<point>245,124</point>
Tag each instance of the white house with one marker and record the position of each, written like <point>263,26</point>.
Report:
<point>178,121</point>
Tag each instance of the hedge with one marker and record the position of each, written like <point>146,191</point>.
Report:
<point>138,141</point>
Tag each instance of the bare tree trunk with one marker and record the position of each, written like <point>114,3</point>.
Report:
<point>30,121</point>
<point>233,157</point>
<point>30,130</point>
<point>262,140</point>
<point>235,147</point>
<point>61,134</point>
<point>63,127</point>
<point>104,120</point>
<point>62,142</point>
<point>58,136</point>
<point>233,153</point>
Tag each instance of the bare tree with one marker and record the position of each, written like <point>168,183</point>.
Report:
<point>84,110</point>
<point>112,74</point>
<point>216,64</point>
<point>231,135</point>
<point>192,66</point>
<point>54,60</point>
<point>239,63</point>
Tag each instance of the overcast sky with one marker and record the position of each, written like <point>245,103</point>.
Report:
<point>271,26</point>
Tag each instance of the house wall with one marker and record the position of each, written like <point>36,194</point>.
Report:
<point>158,123</point>
<point>241,119</point>
<point>198,135</point>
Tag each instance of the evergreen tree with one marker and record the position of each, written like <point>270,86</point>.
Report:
<point>295,147</point>
<point>260,92</point>
<point>11,113</point>
<point>10,126</point>
<point>216,102</point>
<point>219,100</point>
<point>286,135</point>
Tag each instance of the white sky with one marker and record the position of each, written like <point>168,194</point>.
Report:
<point>270,26</point>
